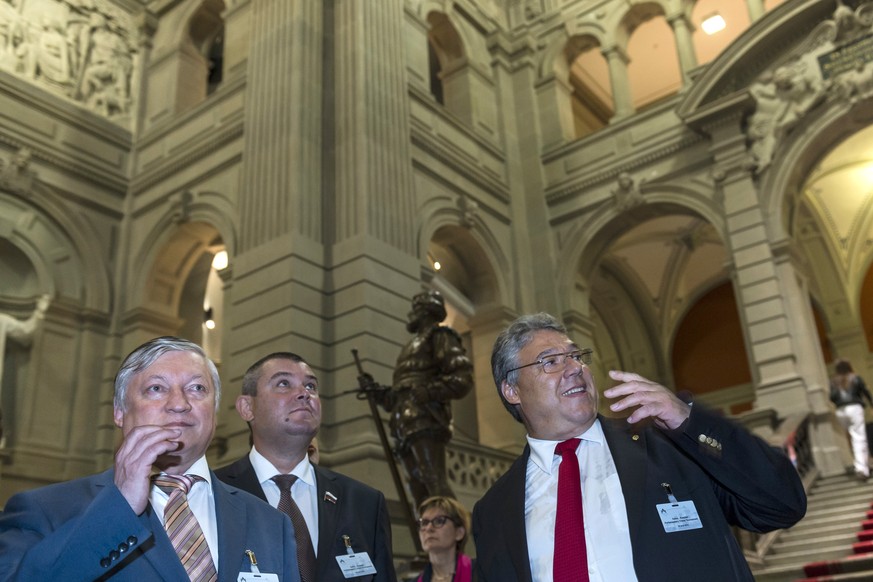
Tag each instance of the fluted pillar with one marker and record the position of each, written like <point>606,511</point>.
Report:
<point>281,174</point>
<point>374,186</point>
<point>617,60</point>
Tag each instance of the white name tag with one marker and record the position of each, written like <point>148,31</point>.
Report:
<point>679,516</point>
<point>257,577</point>
<point>355,564</point>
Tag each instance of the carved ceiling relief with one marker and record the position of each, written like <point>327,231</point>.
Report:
<point>80,49</point>
<point>15,173</point>
<point>833,63</point>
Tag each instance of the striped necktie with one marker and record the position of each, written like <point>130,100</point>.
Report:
<point>183,530</point>
<point>305,553</point>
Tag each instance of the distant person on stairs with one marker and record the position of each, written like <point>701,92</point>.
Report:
<point>848,392</point>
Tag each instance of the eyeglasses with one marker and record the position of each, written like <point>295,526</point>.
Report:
<point>437,522</point>
<point>557,362</point>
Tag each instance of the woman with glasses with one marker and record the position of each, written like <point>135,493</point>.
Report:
<point>443,530</point>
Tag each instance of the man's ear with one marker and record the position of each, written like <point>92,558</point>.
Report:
<point>510,392</point>
<point>118,416</point>
<point>244,407</point>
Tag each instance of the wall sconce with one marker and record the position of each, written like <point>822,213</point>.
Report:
<point>208,321</point>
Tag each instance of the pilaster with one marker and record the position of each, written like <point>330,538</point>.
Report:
<point>373,172</point>
<point>281,175</point>
<point>772,300</point>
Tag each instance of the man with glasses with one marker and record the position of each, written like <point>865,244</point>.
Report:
<point>651,497</point>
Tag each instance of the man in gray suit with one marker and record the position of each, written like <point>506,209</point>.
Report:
<point>121,524</point>
<point>281,404</point>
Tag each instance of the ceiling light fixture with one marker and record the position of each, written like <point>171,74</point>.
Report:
<point>208,320</point>
<point>713,23</point>
<point>219,261</point>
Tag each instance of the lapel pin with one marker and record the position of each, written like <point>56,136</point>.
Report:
<point>328,496</point>
<point>635,437</point>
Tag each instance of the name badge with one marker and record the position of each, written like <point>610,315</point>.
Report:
<point>679,516</point>
<point>353,565</point>
<point>255,575</point>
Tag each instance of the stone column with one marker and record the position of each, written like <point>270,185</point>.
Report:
<point>278,266</point>
<point>756,9</point>
<point>773,302</point>
<point>684,45</point>
<point>617,60</point>
<point>555,109</point>
<point>281,174</point>
<point>374,255</point>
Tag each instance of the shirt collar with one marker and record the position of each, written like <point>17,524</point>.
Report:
<point>199,468</point>
<point>542,452</point>
<point>265,470</point>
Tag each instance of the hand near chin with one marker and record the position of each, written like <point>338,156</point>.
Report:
<point>137,454</point>
<point>651,399</point>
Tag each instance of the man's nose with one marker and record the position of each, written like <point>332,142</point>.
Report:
<point>178,401</point>
<point>572,367</point>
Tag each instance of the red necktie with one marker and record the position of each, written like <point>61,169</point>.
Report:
<point>571,559</point>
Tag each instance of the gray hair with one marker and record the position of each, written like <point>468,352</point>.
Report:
<point>504,355</point>
<point>146,355</point>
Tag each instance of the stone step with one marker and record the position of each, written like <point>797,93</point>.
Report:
<point>836,508</point>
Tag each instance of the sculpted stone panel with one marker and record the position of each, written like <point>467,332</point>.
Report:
<point>834,63</point>
<point>80,49</point>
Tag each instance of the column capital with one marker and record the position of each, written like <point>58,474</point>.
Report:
<point>615,52</point>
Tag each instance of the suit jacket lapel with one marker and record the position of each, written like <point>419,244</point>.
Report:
<point>513,515</point>
<point>230,517</point>
<point>162,556</point>
<point>629,456</point>
<point>242,476</point>
<point>328,518</point>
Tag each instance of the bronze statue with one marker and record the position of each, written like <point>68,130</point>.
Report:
<point>432,369</point>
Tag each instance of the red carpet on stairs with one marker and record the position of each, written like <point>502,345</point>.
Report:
<point>860,561</point>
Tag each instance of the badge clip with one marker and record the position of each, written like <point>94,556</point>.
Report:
<point>253,560</point>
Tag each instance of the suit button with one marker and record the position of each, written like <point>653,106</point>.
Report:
<point>104,562</point>
<point>113,555</point>
<point>702,438</point>
<point>131,541</point>
<point>122,547</point>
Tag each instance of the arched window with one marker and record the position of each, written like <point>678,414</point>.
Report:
<point>591,92</point>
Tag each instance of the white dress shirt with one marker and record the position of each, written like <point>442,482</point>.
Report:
<point>200,500</point>
<point>607,539</point>
<point>304,491</point>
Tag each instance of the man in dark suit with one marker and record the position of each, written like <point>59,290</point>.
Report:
<point>659,490</point>
<point>112,525</point>
<point>281,404</point>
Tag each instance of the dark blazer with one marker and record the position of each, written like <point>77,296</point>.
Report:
<point>733,478</point>
<point>85,530</point>
<point>357,510</point>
